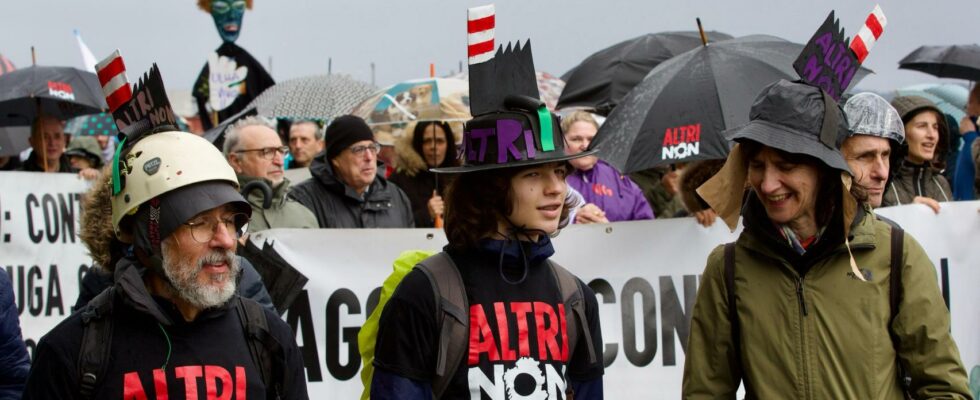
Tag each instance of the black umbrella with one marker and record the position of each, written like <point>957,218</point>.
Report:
<point>61,92</point>
<point>281,280</point>
<point>958,61</point>
<point>604,78</point>
<point>677,112</point>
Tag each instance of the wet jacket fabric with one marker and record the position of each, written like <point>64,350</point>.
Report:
<point>811,330</point>
<point>612,192</point>
<point>911,180</point>
<point>154,350</point>
<point>284,212</point>
<point>335,205</point>
<point>14,362</point>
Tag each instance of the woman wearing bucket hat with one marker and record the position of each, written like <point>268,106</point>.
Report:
<point>798,306</point>
<point>914,175</point>
<point>501,211</point>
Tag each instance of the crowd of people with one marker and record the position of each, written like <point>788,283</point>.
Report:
<point>819,297</point>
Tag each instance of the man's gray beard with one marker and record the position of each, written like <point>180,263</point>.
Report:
<point>183,277</point>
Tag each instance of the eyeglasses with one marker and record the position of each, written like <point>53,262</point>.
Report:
<point>374,148</point>
<point>202,229</point>
<point>268,153</point>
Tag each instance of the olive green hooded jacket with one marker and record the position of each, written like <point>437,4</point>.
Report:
<point>283,213</point>
<point>823,334</point>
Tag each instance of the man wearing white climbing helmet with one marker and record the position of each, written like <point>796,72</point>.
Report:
<point>872,122</point>
<point>172,324</point>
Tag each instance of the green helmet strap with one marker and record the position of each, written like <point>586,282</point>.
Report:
<point>116,185</point>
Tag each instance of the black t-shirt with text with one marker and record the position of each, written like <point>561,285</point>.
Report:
<point>518,331</point>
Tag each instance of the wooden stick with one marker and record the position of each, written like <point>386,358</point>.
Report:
<point>704,38</point>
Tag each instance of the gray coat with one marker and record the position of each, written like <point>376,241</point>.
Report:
<point>910,180</point>
<point>336,205</point>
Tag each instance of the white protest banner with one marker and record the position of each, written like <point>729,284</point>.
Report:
<point>39,246</point>
<point>644,274</point>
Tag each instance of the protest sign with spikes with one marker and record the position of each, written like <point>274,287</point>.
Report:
<point>148,110</point>
<point>509,71</point>
<point>829,60</point>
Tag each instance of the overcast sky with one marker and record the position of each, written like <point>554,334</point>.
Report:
<point>403,36</point>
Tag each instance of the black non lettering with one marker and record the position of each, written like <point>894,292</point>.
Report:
<point>372,301</point>
<point>50,208</point>
<point>54,293</point>
<point>31,345</point>
<point>649,326</point>
<point>336,334</point>
<point>299,316</point>
<point>35,295</point>
<point>30,204</point>
<point>603,289</point>
<point>67,216</point>
<point>673,317</point>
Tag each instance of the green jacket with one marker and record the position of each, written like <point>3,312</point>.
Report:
<point>835,343</point>
<point>283,213</point>
<point>910,180</point>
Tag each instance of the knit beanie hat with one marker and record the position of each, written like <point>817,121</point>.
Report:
<point>345,131</point>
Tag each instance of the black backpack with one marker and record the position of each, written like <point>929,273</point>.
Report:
<point>894,299</point>
<point>265,351</point>
<point>452,315</point>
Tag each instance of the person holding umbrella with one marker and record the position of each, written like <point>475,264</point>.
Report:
<point>801,305</point>
<point>915,165</point>
<point>431,144</point>
<point>610,195</point>
<point>48,141</point>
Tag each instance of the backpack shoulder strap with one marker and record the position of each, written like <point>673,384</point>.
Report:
<point>452,317</point>
<point>96,341</point>
<point>736,328</point>
<point>895,276</point>
<point>577,322</point>
<point>264,350</point>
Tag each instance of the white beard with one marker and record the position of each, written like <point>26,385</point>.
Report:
<point>184,274</point>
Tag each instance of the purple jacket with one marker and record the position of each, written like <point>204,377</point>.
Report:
<point>612,192</point>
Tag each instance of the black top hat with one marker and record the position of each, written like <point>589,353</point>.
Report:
<point>524,133</point>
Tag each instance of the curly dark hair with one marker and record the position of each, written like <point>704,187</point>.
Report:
<point>476,201</point>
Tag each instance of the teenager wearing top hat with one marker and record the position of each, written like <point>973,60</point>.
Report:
<point>503,207</point>
<point>799,305</point>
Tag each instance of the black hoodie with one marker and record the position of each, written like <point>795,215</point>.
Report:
<point>154,350</point>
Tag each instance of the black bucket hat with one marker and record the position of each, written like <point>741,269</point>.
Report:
<point>525,133</point>
<point>799,119</point>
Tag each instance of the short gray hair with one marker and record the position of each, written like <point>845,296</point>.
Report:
<point>233,133</point>
<point>318,129</point>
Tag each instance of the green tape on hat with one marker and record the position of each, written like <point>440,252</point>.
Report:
<point>547,133</point>
<point>116,186</point>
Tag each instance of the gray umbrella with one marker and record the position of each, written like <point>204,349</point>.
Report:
<point>676,114</point>
<point>319,97</point>
<point>958,61</point>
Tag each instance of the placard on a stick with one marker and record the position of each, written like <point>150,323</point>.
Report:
<point>827,60</point>
<point>148,109</point>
